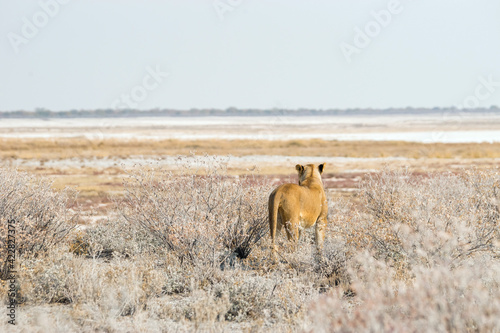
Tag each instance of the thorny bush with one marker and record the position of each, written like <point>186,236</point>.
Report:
<point>203,216</point>
<point>42,217</point>
<point>441,219</point>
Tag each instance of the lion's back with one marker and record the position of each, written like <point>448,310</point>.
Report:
<point>289,191</point>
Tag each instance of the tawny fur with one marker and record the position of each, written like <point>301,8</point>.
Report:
<point>299,206</point>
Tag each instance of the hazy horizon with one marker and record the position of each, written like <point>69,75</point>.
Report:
<point>63,55</point>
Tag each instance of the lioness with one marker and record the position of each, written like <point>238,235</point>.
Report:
<point>299,206</point>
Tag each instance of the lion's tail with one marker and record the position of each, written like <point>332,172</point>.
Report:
<point>273,215</point>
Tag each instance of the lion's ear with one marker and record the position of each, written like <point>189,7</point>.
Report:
<point>321,167</point>
<point>299,168</point>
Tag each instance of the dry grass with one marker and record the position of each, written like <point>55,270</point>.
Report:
<point>465,299</point>
<point>199,215</point>
<point>60,148</point>
<point>423,255</point>
<point>33,218</point>
<point>49,157</point>
<point>419,254</point>
<point>433,220</point>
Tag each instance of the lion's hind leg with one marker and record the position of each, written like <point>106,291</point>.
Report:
<point>320,233</point>
<point>277,231</point>
<point>292,232</point>
<point>279,225</point>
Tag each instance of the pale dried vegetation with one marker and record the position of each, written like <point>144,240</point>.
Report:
<point>42,218</point>
<point>83,147</point>
<point>191,252</point>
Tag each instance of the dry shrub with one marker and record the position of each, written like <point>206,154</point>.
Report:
<point>43,217</point>
<point>117,287</point>
<point>322,271</point>
<point>332,265</point>
<point>177,261</point>
<point>203,215</point>
<point>442,219</point>
<point>113,237</point>
<point>466,299</point>
<point>420,254</point>
<point>429,257</point>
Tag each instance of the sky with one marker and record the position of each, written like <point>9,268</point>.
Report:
<point>183,54</point>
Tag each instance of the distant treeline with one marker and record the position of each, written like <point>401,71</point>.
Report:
<point>232,112</point>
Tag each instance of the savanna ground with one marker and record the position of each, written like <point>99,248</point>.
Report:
<point>147,240</point>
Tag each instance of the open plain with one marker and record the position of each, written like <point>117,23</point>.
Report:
<point>160,224</point>
<point>93,155</point>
